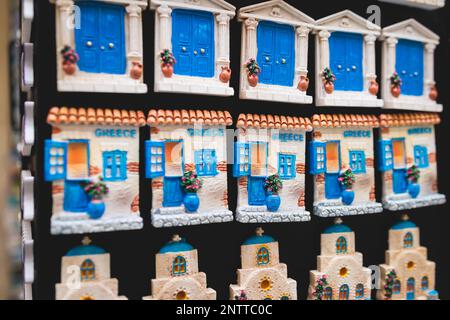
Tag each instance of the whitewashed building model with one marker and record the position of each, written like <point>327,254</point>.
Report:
<point>422,4</point>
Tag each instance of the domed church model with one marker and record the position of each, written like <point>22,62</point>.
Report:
<point>340,274</point>
<point>86,275</point>
<point>262,276</point>
<point>407,274</point>
<point>177,276</point>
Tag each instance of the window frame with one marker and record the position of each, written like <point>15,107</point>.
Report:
<point>341,245</point>
<point>88,159</point>
<point>199,159</point>
<point>262,253</point>
<point>408,240</point>
<point>359,291</point>
<point>423,158</point>
<point>122,165</point>
<point>286,167</point>
<point>180,262</point>
<point>357,153</point>
<point>84,270</point>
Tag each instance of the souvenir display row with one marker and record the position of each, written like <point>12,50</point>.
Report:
<point>103,52</point>
<point>340,274</point>
<point>92,160</point>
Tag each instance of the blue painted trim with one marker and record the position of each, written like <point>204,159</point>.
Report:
<point>48,145</point>
<point>337,228</point>
<point>261,256</point>
<point>360,157</point>
<point>258,240</point>
<point>385,155</point>
<point>317,166</point>
<point>176,246</point>
<point>112,155</point>
<point>282,164</point>
<point>199,156</point>
<point>148,159</point>
<point>180,263</point>
<point>237,170</point>
<point>85,251</point>
<point>404,225</point>
<point>421,157</point>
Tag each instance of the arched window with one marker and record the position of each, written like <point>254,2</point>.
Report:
<point>344,292</point>
<point>408,240</point>
<point>285,297</point>
<point>179,266</point>
<point>341,245</point>
<point>87,270</point>
<point>263,256</point>
<point>328,293</point>
<point>359,292</point>
<point>397,287</point>
<point>425,283</point>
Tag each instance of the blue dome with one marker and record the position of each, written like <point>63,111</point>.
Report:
<point>258,239</point>
<point>85,251</point>
<point>337,228</point>
<point>404,225</point>
<point>176,246</point>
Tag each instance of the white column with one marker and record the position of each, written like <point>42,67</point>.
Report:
<point>223,56</point>
<point>164,26</point>
<point>66,23</point>
<point>429,66</point>
<point>391,56</point>
<point>134,25</point>
<point>369,66</point>
<point>324,48</point>
<point>251,24</point>
<point>302,50</point>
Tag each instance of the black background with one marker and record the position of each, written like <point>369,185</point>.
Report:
<point>132,253</point>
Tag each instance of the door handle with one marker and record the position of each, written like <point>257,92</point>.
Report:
<point>202,51</point>
<point>89,44</point>
<point>283,61</point>
<point>267,59</point>
<point>354,67</point>
<point>195,52</point>
<point>111,45</point>
<point>183,49</point>
<point>102,48</point>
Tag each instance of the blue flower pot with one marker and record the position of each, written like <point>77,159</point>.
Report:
<point>96,209</point>
<point>414,190</point>
<point>348,196</point>
<point>273,202</point>
<point>191,202</point>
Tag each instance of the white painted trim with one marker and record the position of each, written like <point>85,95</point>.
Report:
<point>27,19</point>
<point>422,4</point>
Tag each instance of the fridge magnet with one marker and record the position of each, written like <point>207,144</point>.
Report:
<point>407,273</point>
<point>345,61</point>
<point>177,275</point>
<point>92,160</point>
<point>99,46</point>
<point>262,276</point>
<point>86,275</point>
<point>407,160</point>
<point>422,4</point>
<point>274,54</point>
<point>186,158</point>
<point>192,46</point>
<point>340,274</point>
<point>342,161</point>
<point>269,163</point>
<point>408,67</point>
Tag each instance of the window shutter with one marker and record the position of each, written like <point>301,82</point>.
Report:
<point>385,155</point>
<point>154,159</point>
<point>242,159</point>
<point>317,157</point>
<point>55,158</point>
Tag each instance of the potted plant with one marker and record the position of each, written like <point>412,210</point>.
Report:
<point>328,79</point>
<point>347,180</point>
<point>396,84</point>
<point>374,87</point>
<point>241,297</point>
<point>70,60</point>
<point>303,84</point>
<point>96,191</point>
<point>389,285</point>
<point>321,283</point>
<point>225,75</point>
<point>253,70</point>
<point>273,186</point>
<point>413,175</point>
<point>433,93</point>
<point>191,184</point>
<point>167,62</point>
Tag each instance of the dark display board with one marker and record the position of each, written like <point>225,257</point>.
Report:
<point>133,252</point>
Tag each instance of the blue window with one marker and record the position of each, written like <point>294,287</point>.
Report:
<point>421,156</point>
<point>408,240</point>
<point>263,256</point>
<point>328,293</point>
<point>344,292</point>
<point>154,153</point>
<point>358,161</point>
<point>276,53</point>
<point>100,40</point>
<point>425,283</point>
<point>411,289</point>
<point>87,270</point>
<point>55,161</point>
<point>341,245</point>
<point>241,159</point>
<point>410,67</point>
<point>179,266</point>
<point>359,292</point>
<point>206,162</point>
<point>115,165</point>
<point>346,60</point>
<point>385,155</point>
<point>397,288</point>
<point>318,159</point>
<point>286,166</point>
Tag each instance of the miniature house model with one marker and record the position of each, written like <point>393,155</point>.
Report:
<point>345,44</point>
<point>408,140</point>
<point>270,145</point>
<point>342,145</point>
<point>275,35</point>
<point>177,276</point>
<point>99,45</point>
<point>86,275</point>
<point>413,276</point>
<point>89,145</point>
<point>423,4</point>
<point>340,274</point>
<point>183,142</point>
<point>197,34</point>
<point>408,53</point>
<point>262,276</point>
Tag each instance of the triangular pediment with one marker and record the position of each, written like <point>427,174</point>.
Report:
<point>347,20</point>
<point>412,30</point>
<point>276,10</point>
<point>208,5</point>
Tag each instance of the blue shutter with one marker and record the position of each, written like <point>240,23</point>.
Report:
<point>242,159</point>
<point>385,155</point>
<point>154,159</point>
<point>317,157</point>
<point>286,166</point>
<point>421,156</point>
<point>55,160</point>
<point>357,161</point>
<point>115,165</point>
<point>206,162</point>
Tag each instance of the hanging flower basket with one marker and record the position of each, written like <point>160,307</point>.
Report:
<point>273,185</point>
<point>413,176</point>
<point>396,83</point>
<point>347,180</point>
<point>167,61</point>
<point>191,184</point>
<point>253,71</point>
<point>70,60</point>
<point>328,79</point>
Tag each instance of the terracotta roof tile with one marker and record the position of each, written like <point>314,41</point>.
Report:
<point>409,119</point>
<point>273,122</point>
<point>188,117</point>
<point>344,120</point>
<point>91,116</point>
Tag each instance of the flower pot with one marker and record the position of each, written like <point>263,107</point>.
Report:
<point>433,93</point>
<point>136,70</point>
<point>96,209</point>
<point>191,202</point>
<point>225,75</point>
<point>348,196</point>
<point>374,87</point>
<point>69,68</point>
<point>414,190</point>
<point>273,202</point>
<point>396,91</point>
<point>303,84</point>
<point>253,80</point>
<point>329,87</point>
<point>167,70</point>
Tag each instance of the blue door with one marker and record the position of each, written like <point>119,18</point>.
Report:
<point>332,186</point>
<point>400,183</point>
<point>173,194</point>
<point>276,53</point>
<point>409,65</point>
<point>193,43</point>
<point>346,60</point>
<point>256,191</point>
<point>75,199</point>
<point>399,180</point>
<point>410,289</point>
<point>333,168</point>
<point>100,40</point>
